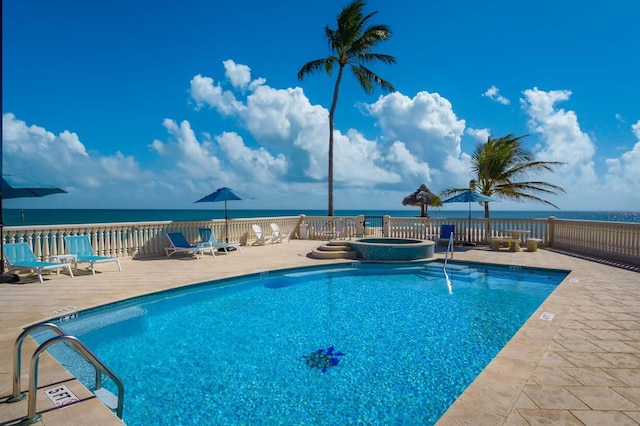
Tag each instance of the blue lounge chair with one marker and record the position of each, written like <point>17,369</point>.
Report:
<point>446,231</point>
<point>80,246</point>
<point>207,238</point>
<point>19,256</point>
<point>179,244</point>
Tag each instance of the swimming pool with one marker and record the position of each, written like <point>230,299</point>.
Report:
<point>237,351</point>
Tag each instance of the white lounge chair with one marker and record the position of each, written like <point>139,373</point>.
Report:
<point>207,238</point>
<point>19,256</point>
<point>279,235</point>
<point>179,244</point>
<point>80,246</point>
<point>261,238</point>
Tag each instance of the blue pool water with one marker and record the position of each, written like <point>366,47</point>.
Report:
<point>233,352</point>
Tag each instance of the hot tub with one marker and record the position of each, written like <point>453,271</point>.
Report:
<point>393,249</point>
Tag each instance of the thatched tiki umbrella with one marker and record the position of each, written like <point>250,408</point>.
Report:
<point>424,198</point>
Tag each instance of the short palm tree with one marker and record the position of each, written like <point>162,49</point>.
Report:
<point>499,164</point>
<point>351,44</point>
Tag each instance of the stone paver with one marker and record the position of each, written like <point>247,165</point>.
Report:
<point>599,418</point>
<point>583,367</point>
<point>602,398</point>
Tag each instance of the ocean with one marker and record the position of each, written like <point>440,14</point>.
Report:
<point>32,217</point>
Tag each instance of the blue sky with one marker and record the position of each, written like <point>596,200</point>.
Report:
<point>140,104</point>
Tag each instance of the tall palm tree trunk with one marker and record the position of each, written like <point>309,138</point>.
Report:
<point>487,235</point>
<point>331,115</point>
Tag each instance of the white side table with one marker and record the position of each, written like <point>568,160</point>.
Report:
<point>65,258</point>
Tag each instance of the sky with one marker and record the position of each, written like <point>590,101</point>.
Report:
<point>137,104</point>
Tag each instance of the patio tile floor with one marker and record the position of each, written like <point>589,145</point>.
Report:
<point>582,367</point>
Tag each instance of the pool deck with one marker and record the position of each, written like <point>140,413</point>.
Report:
<point>581,367</point>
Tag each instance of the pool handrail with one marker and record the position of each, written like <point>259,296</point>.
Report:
<point>17,356</point>
<point>446,257</point>
<point>80,348</point>
<point>72,342</point>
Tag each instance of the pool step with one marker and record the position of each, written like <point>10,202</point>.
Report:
<point>453,273</point>
<point>107,398</point>
<point>334,249</point>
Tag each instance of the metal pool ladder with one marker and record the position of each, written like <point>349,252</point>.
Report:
<point>446,257</point>
<point>75,344</point>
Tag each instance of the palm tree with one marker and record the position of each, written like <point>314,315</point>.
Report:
<point>351,44</point>
<point>497,167</point>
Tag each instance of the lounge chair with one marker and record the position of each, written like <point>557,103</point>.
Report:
<point>279,235</point>
<point>19,256</point>
<point>261,238</point>
<point>446,231</point>
<point>207,238</point>
<point>80,246</point>
<point>179,244</point>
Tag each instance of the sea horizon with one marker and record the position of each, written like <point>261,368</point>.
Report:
<point>38,217</point>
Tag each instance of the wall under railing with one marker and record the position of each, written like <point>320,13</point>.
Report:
<point>608,240</point>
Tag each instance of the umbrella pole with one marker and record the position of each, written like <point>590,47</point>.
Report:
<point>4,277</point>
<point>226,222</point>
<point>469,224</point>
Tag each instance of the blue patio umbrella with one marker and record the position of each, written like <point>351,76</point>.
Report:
<point>222,194</point>
<point>469,196</point>
<point>17,187</point>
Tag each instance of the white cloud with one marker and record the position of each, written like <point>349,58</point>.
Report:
<point>358,161</point>
<point>560,132</point>
<point>493,94</point>
<point>254,165</point>
<point>564,141</point>
<point>62,160</point>
<point>623,173</point>
<point>423,131</point>
<point>635,128</point>
<point>120,167</point>
<point>240,76</point>
<point>479,135</point>
<point>281,113</point>
<point>205,92</point>
<point>283,122</point>
<point>40,140</point>
<point>399,154</point>
<point>185,152</point>
<point>277,141</point>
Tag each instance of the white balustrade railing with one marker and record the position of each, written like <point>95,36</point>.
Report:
<point>325,227</point>
<point>609,240</point>
<point>473,230</point>
<point>138,239</point>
